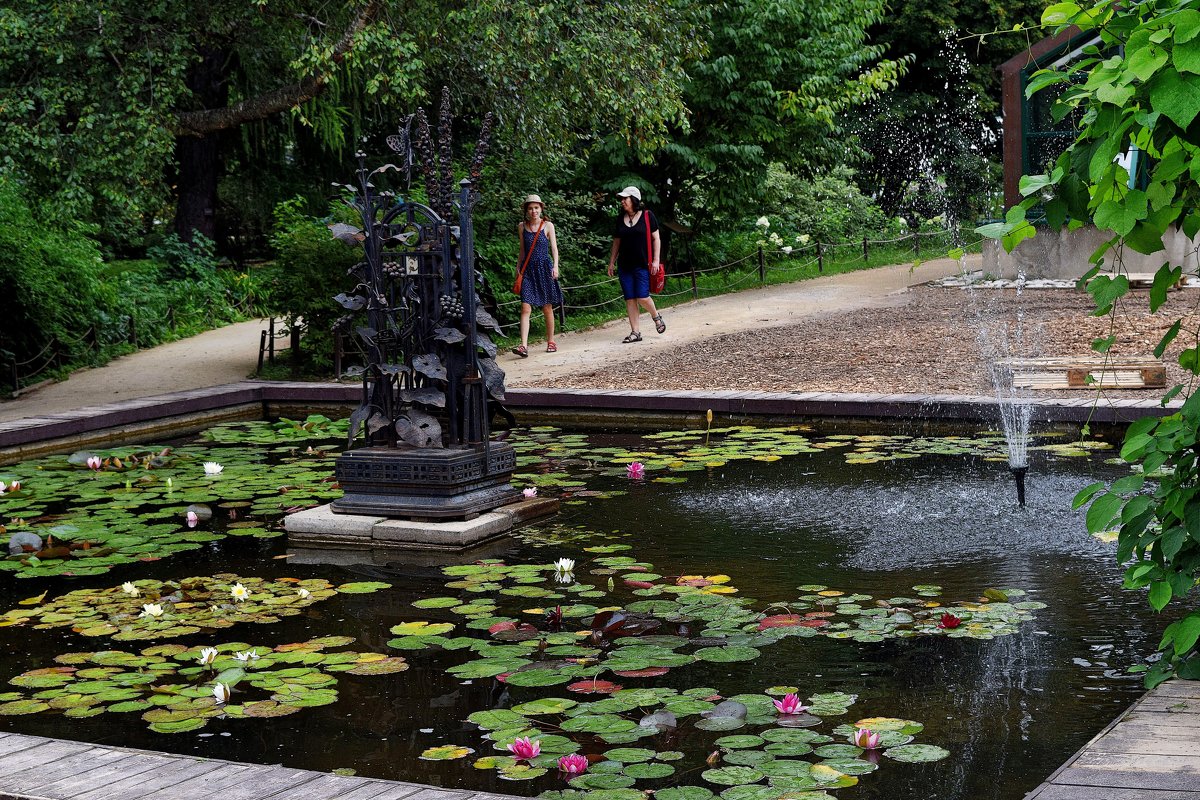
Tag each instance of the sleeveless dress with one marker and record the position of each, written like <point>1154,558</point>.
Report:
<point>538,288</point>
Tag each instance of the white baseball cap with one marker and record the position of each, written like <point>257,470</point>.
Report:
<point>630,191</point>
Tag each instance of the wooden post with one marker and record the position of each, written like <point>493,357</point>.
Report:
<point>695,291</point>
<point>917,245</point>
<point>271,341</point>
<point>762,267</point>
<point>820,258</point>
<point>262,348</point>
<point>562,314</point>
<point>866,252</point>
<point>294,343</point>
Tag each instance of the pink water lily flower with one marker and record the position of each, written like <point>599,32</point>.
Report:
<point>790,704</point>
<point>525,748</point>
<point>530,492</point>
<point>866,739</point>
<point>93,462</point>
<point>635,471</point>
<point>193,519</point>
<point>574,764</point>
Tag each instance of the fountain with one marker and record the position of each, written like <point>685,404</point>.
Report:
<point>1016,408</point>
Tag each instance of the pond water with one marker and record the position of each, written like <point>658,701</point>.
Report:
<point>820,563</point>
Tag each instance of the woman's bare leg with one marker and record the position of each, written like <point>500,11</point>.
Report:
<point>525,311</point>
<point>548,313</point>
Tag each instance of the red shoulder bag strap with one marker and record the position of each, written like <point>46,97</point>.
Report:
<point>649,246</point>
<point>532,245</point>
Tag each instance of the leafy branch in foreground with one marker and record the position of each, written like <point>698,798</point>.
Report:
<point>1135,89</point>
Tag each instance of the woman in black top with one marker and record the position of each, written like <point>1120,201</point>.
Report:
<point>632,262</point>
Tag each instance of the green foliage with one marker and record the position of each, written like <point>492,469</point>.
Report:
<point>932,144</point>
<point>50,281</point>
<point>828,208</point>
<point>311,267</point>
<point>1138,87</point>
<point>192,260</point>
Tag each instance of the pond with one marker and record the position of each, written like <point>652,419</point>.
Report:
<point>887,580</point>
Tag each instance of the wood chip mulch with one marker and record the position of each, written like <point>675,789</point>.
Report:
<point>940,341</point>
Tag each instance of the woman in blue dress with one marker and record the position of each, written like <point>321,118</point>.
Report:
<point>539,284</point>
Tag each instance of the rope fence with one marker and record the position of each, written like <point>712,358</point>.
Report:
<point>769,262</point>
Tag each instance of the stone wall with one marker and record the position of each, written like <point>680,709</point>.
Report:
<point>1065,254</point>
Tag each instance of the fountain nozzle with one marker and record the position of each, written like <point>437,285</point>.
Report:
<point>1019,476</point>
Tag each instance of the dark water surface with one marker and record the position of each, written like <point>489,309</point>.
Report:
<point>1010,710</point>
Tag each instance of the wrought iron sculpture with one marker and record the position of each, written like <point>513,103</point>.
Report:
<point>431,368</point>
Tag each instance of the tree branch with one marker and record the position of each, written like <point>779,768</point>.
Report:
<point>211,120</point>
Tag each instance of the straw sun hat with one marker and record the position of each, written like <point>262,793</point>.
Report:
<point>533,198</point>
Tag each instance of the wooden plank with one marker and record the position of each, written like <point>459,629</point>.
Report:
<point>51,750</point>
<point>128,765</point>
<point>325,787</point>
<point>15,742</point>
<point>1149,741</point>
<point>257,782</point>
<point>1122,779</point>
<point>1057,792</point>
<point>382,790</point>
<point>1163,719</point>
<point>49,771</point>
<point>161,773</point>
<point>1140,763</point>
<point>215,780</point>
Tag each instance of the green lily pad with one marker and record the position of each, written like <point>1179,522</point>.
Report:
<point>916,753</point>
<point>733,776</point>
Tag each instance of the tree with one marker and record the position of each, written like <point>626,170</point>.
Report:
<point>770,85</point>
<point>1138,88</point>
<point>933,142</point>
<point>123,111</point>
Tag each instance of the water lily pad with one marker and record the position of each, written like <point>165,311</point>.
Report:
<point>446,752</point>
<point>916,753</point>
<point>629,755</point>
<point>733,776</point>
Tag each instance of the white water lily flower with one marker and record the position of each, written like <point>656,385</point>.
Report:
<point>212,468</point>
<point>239,592</point>
<point>249,655</point>
<point>129,589</point>
<point>304,593</point>
<point>208,655</point>
<point>221,692</point>
<point>151,610</point>
<point>763,222</point>
<point>170,483</point>
<point>564,565</point>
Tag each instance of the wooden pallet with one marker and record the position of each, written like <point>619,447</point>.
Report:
<point>1070,372</point>
<point>1145,280</point>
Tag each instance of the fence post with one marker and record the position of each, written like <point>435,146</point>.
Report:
<point>866,252</point>
<point>562,315</point>
<point>820,258</point>
<point>133,330</point>
<point>262,348</point>
<point>271,341</point>
<point>695,291</point>
<point>917,245</point>
<point>294,343</point>
<point>762,267</point>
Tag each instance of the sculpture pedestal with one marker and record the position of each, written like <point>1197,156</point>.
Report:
<point>321,527</point>
<point>425,483</point>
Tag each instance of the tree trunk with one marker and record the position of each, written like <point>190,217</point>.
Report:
<point>198,161</point>
<point>198,158</point>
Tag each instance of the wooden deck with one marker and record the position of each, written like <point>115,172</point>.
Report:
<point>1151,752</point>
<point>37,768</point>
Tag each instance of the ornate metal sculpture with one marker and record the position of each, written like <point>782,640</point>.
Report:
<point>431,366</point>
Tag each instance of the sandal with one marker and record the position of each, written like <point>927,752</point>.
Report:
<point>551,347</point>
<point>659,325</point>
<point>634,336</point>
<point>522,351</point>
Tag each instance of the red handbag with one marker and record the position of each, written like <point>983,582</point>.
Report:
<point>658,277</point>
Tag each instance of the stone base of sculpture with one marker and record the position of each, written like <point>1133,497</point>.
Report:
<point>424,483</point>
<point>321,527</point>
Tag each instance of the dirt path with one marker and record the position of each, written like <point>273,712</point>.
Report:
<point>224,355</point>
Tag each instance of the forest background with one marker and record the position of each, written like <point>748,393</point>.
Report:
<point>166,167</point>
